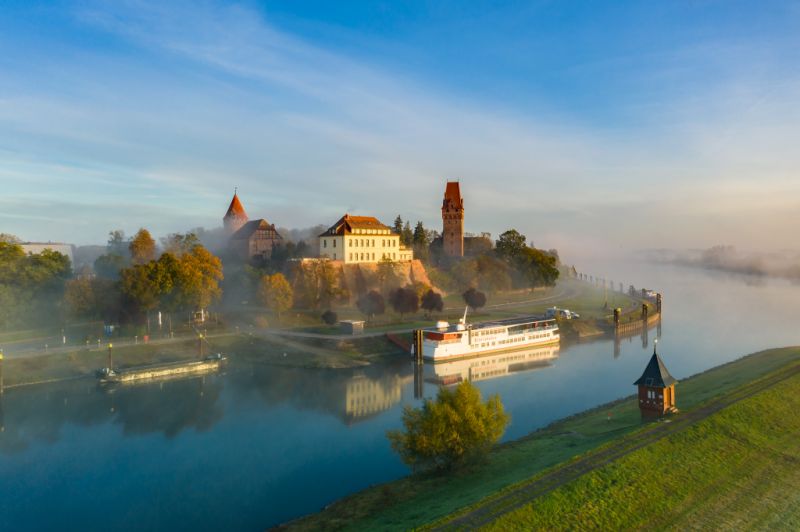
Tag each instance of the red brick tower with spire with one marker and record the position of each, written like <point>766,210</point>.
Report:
<point>453,220</point>
<point>235,218</point>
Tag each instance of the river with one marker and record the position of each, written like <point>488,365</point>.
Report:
<point>258,445</point>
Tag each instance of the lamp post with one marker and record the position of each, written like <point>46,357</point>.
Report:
<point>110,359</point>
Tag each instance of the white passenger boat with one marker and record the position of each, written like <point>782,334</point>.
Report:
<point>448,342</point>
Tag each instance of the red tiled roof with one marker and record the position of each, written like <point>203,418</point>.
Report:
<point>347,223</point>
<point>235,208</point>
<point>452,195</point>
<point>247,230</point>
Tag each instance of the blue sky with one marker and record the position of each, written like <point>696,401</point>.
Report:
<point>588,126</point>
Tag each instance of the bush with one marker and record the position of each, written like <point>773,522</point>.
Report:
<point>455,429</point>
<point>329,317</point>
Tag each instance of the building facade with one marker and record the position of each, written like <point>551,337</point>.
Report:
<point>453,220</point>
<point>249,239</point>
<point>362,239</point>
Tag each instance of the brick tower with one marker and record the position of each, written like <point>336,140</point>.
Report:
<point>235,218</point>
<point>453,221</point>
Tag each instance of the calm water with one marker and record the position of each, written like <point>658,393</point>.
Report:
<point>259,445</point>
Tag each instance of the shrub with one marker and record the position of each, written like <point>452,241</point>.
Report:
<point>454,429</point>
<point>329,317</point>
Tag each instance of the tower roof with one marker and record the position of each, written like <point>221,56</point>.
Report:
<point>235,208</point>
<point>655,374</point>
<point>452,195</point>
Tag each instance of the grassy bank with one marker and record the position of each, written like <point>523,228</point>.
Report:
<point>737,469</point>
<point>415,501</point>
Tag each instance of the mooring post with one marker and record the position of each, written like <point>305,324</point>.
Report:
<point>617,312</point>
<point>644,311</point>
<point>1,372</point>
<point>418,345</point>
<point>110,358</point>
<point>658,302</point>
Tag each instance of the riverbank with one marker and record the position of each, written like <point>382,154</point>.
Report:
<point>412,502</point>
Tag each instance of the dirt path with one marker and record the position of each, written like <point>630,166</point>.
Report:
<point>551,480</point>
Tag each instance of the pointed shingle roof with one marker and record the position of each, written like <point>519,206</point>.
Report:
<point>236,208</point>
<point>656,374</point>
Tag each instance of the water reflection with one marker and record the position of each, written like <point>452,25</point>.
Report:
<point>489,366</point>
<point>38,414</point>
<point>350,395</point>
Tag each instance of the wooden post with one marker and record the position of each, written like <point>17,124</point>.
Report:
<point>644,311</point>
<point>617,312</point>
<point>418,354</point>
<point>658,303</point>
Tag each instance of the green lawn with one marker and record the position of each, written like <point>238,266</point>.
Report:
<point>736,469</point>
<point>415,501</point>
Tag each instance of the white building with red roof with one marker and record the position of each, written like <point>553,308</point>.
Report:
<point>362,239</point>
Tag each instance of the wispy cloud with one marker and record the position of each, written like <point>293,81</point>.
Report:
<point>223,97</point>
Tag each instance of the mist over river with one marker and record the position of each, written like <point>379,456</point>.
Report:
<point>258,445</point>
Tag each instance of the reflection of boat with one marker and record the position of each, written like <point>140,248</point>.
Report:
<point>490,366</point>
<point>161,371</point>
<point>447,342</point>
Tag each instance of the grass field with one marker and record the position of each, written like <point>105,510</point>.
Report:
<point>416,501</point>
<point>737,469</point>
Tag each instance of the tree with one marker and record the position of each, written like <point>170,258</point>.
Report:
<point>8,238</point>
<point>388,274</point>
<point>404,300</point>
<point>474,299</point>
<point>117,244</point>
<point>109,265</point>
<point>493,274</point>
<point>398,225</point>
<point>142,247</point>
<point>432,302</point>
<point>329,317</point>
<point>276,293</point>
<point>538,267</point>
<point>197,278</point>
<point>142,286</point>
<point>510,245</point>
<point>407,236</point>
<point>371,304</point>
<point>454,429</point>
<point>421,241</point>
<point>179,244</point>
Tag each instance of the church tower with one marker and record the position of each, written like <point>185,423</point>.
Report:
<point>453,221</point>
<point>235,218</point>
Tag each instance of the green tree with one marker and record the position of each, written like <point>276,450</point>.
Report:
<point>404,300</point>
<point>432,302</point>
<point>117,245</point>
<point>398,225</point>
<point>142,247</point>
<point>179,244</point>
<point>510,245</point>
<point>371,304</point>
<point>276,293</point>
<point>474,298</point>
<point>454,429</point>
<point>407,235</point>
<point>8,238</point>
<point>388,275</point>
<point>538,268</point>
<point>329,317</point>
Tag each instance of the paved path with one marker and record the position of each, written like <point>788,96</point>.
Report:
<point>551,480</point>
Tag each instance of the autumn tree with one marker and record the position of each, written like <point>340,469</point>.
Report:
<point>456,428</point>
<point>276,293</point>
<point>388,274</point>
<point>179,243</point>
<point>371,304</point>
<point>142,247</point>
